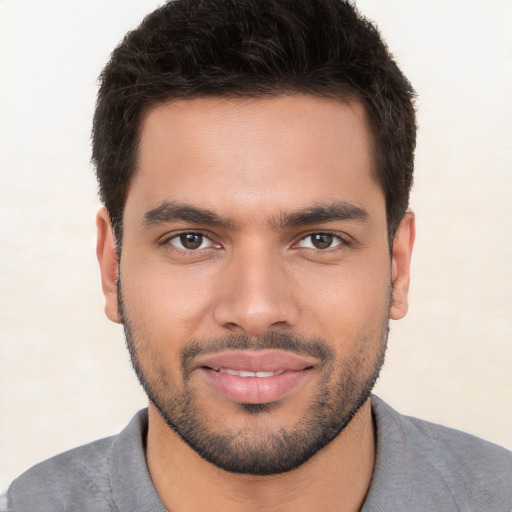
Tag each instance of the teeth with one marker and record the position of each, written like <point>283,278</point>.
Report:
<point>243,373</point>
<point>265,374</point>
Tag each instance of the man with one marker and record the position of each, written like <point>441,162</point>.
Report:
<point>255,159</point>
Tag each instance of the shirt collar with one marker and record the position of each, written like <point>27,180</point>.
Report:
<point>131,483</point>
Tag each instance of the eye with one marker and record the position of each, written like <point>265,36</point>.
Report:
<point>320,241</point>
<point>190,241</point>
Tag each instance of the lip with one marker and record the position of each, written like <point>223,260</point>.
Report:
<point>292,370</point>
<point>256,360</point>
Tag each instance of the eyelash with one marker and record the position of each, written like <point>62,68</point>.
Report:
<point>341,241</point>
<point>168,240</point>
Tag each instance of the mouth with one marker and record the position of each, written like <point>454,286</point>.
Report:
<point>246,373</point>
<point>253,377</point>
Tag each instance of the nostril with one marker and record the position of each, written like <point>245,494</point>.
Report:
<point>255,315</point>
<point>234,327</point>
<point>282,324</point>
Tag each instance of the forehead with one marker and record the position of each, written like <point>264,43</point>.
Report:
<point>271,152</point>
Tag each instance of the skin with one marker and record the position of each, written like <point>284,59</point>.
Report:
<point>254,162</point>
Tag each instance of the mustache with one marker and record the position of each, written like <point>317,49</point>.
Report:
<point>291,342</point>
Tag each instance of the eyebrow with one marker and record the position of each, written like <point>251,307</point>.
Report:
<point>336,211</point>
<point>171,211</point>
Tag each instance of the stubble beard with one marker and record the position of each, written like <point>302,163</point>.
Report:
<point>342,391</point>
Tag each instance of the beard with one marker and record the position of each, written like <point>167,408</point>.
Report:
<point>343,388</point>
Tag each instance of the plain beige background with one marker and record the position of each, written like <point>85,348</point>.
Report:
<point>65,374</point>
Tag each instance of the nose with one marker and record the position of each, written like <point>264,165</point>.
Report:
<point>257,296</point>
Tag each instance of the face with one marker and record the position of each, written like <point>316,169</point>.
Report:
<point>255,279</point>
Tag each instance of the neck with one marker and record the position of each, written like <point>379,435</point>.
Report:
<point>335,479</point>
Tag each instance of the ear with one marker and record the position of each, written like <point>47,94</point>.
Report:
<point>403,243</point>
<point>106,253</point>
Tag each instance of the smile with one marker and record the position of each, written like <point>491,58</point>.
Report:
<point>254,377</point>
<point>244,373</point>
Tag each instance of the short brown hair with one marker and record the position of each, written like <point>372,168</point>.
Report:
<point>191,48</point>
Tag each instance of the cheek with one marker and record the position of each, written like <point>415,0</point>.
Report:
<point>351,303</point>
<point>166,302</point>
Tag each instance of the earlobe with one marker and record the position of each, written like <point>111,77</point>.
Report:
<point>403,243</point>
<point>106,253</point>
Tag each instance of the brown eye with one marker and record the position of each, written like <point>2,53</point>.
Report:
<point>190,241</point>
<point>320,241</point>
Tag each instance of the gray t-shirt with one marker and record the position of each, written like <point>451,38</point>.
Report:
<point>420,467</point>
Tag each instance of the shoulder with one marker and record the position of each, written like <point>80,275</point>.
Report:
<point>65,479</point>
<point>451,451</point>
<point>104,476</point>
<point>461,471</point>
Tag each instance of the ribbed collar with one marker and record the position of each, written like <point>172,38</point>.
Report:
<point>131,483</point>
<point>404,480</point>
